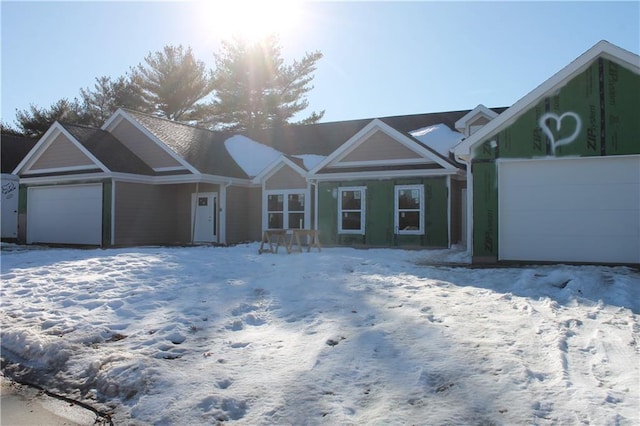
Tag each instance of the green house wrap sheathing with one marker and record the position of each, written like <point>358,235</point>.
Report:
<point>379,214</point>
<point>594,114</point>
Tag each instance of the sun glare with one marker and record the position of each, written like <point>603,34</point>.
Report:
<point>250,19</point>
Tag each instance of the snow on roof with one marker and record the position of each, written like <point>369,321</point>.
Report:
<point>250,155</point>
<point>439,137</point>
<point>310,160</point>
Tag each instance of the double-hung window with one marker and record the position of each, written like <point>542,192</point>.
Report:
<point>285,210</point>
<point>351,210</point>
<point>409,209</point>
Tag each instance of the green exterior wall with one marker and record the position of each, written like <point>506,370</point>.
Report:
<point>379,214</point>
<point>605,97</point>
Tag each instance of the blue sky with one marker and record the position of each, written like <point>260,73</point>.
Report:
<point>380,58</point>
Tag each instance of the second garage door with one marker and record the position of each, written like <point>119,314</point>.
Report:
<point>573,210</point>
<point>68,214</point>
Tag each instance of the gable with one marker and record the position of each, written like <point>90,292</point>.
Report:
<point>285,178</point>
<point>593,114</point>
<point>379,147</point>
<point>60,154</point>
<point>143,146</point>
<point>609,61</point>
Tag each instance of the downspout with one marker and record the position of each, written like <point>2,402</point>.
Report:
<point>194,206</point>
<point>467,161</point>
<point>449,211</point>
<point>222,213</point>
<point>313,183</point>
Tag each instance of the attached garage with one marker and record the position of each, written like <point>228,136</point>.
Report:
<point>66,214</point>
<point>572,209</point>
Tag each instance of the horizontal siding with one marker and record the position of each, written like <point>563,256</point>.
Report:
<point>243,214</point>
<point>62,153</point>
<point>286,178</point>
<point>380,146</point>
<point>142,146</point>
<point>151,214</point>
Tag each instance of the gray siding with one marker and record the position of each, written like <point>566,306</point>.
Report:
<point>243,216</point>
<point>151,214</point>
<point>62,153</point>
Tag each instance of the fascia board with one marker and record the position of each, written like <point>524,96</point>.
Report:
<point>64,178</point>
<point>113,120</point>
<point>559,79</point>
<point>122,115</point>
<point>276,165</point>
<point>44,141</point>
<point>343,149</point>
<point>385,175</point>
<point>47,139</point>
<point>376,124</point>
<point>479,110</point>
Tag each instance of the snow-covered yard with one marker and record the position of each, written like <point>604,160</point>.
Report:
<point>201,334</point>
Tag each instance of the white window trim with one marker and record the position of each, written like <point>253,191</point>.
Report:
<point>363,209</point>
<point>285,219</point>
<point>396,209</point>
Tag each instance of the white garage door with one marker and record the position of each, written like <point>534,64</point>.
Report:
<point>68,214</point>
<point>574,210</point>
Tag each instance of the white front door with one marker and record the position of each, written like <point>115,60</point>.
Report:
<point>204,213</point>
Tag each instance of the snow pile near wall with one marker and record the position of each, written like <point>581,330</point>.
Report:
<point>204,335</point>
<point>253,157</point>
<point>438,137</point>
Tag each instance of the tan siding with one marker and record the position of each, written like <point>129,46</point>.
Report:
<point>286,178</point>
<point>62,153</point>
<point>142,146</point>
<point>380,146</point>
<point>151,214</point>
<point>244,221</point>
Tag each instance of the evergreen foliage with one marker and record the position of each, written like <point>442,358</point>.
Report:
<point>107,95</point>
<point>35,121</point>
<point>171,82</point>
<point>255,89</point>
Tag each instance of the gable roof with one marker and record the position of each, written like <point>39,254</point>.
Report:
<point>479,110</point>
<point>602,49</point>
<point>108,150</point>
<point>424,153</point>
<point>324,138</point>
<point>202,148</point>
<point>13,149</point>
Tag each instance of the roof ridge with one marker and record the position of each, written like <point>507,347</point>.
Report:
<point>169,120</point>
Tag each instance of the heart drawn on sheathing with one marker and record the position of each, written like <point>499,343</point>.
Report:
<point>547,131</point>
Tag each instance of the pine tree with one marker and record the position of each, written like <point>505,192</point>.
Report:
<point>35,121</point>
<point>255,89</point>
<point>171,82</point>
<point>107,95</point>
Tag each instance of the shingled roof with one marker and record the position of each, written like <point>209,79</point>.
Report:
<point>108,150</point>
<point>324,138</point>
<point>206,151</point>
<point>13,149</point>
<point>202,148</point>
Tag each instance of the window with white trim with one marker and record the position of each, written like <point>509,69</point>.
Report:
<point>409,209</point>
<point>351,210</point>
<point>285,210</point>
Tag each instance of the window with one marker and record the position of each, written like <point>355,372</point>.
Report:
<point>409,206</point>
<point>351,210</point>
<point>285,210</point>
